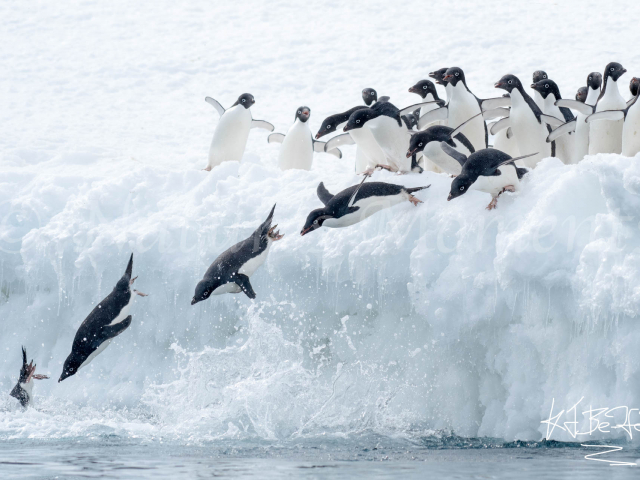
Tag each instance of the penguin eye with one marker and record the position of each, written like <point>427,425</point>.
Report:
<point>546,85</point>
<point>457,74</point>
<point>425,87</point>
<point>315,222</point>
<point>420,145</point>
<point>589,78</point>
<point>328,127</point>
<point>357,121</point>
<point>510,81</point>
<point>612,69</point>
<point>544,76</point>
<point>462,188</point>
<point>299,112</point>
<point>243,100</point>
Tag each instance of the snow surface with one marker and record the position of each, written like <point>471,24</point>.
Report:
<point>443,316</point>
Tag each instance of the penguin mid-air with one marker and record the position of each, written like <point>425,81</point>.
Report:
<point>489,170</point>
<point>427,91</point>
<point>232,132</point>
<point>428,142</point>
<point>23,390</point>
<point>230,272</point>
<point>529,125</point>
<point>105,322</point>
<point>537,76</point>
<point>550,93</point>
<point>298,144</point>
<point>630,128</point>
<point>605,136</point>
<point>581,94</point>
<point>355,203</point>
<point>579,125</point>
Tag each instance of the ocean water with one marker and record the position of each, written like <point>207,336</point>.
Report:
<point>367,456</point>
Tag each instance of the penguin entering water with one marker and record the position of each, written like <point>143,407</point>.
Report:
<point>298,144</point>
<point>105,322</point>
<point>529,125</point>
<point>230,272</point>
<point>488,170</point>
<point>550,93</point>
<point>24,388</point>
<point>354,204</point>
<point>232,132</point>
<point>581,94</point>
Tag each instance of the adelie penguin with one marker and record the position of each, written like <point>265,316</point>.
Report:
<point>550,93</point>
<point>579,125</point>
<point>352,205</point>
<point>581,94</point>
<point>370,96</point>
<point>428,142</point>
<point>489,170</point>
<point>529,125</point>
<point>298,144</point>
<point>23,391</point>
<point>105,322</point>
<point>232,132</point>
<point>537,76</point>
<point>427,91</point>
<point>230,272</point>
<point>605,136</point>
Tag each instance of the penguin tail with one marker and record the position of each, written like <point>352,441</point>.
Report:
<point>24,356</point>
<point>129,270</point>
<point>416,189</point>
<point>521,172</point>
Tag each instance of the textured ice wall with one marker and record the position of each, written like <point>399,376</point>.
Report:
<point>444,316</point>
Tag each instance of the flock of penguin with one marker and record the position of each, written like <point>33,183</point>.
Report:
<point>447,136</point>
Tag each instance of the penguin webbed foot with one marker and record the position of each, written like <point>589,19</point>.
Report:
<point>208,169</point>
<point>384,167</point>
<point>140,293</point>
<point>415,200</point>
<point>274,235</point>
<point>493,204</point>
<point>509,188</point>
<point>41,377</point>
<point>132,280</point>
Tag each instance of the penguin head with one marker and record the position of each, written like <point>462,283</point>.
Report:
<point>438,76</point>
<point>424,88</point>
<point>634,86</point>
<point>314,221</point>
<point>369,95</point>
<point>508,83</point>
<point>246,100</point>
<point>204,289</point>
<point>303,114</point>
<point>419,141</point>
<point>581,94</point>
<point>454,75</point>
<point>329,125</point>
<point>594,80</point>
<point>547,87</point>
<point>614,70</point>
<point>539,75</point>
<point>71,366</point>
<point>459,186</point>
<point>359,118</point>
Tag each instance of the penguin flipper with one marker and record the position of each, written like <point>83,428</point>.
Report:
<point>511,160</point>
<point>384,98</point>
<point>493,103</point>
<point>243,282</point>
<point>631,101</point>
<point>462,126</point>
<point>509,133</point>
<point>500,125</point>
<point>433,116</point>
<point>605,115</point>
<point>336,152</point>
<point>453,153</point>
<point>558,132</point>
<point>495,113</point>
<point>262,124</point>
<point>112,331</point>
<point>413,107</point>
<point>275,138</point>
<point>215,104</point>
<point>352,200</point>
<point>344,139</point>
<point>323,194</point>
<point>575,105</point>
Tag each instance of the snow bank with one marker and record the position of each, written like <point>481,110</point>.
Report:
<point>444,316</point>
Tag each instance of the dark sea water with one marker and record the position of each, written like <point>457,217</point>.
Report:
<point>361,457</point>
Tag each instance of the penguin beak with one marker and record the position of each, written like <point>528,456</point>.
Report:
<point>411,152</point>
<point>449,198</point>
<point>305,231</point>
<point>448,77</point>
<point>318,136</point>
<point>346,128</point>
<point>413,90</point>
<point>194,301</point>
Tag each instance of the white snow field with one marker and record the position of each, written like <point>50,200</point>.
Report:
<point>443,316</point>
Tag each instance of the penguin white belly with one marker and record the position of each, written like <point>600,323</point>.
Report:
<point>95,353</point>
<point>124,313</point>
<point>581,140</point>
<point>367,207</point>
<point>366,142</point>
<point>434,152</point>
<point>296,150</point>
<point>539,100</point>
<point>505,144</point>
<point>254,263</point>
<point>530,135</point>
<point>230,136</point>
<point>427,108</point>
<point>605,136</point>
<point>564,144</point>
<point>494,185</point>
<point>230,287</point>
<point>394,141</point>
<point>631,131</point>
<point>362,161</point>
<point>462,107</point>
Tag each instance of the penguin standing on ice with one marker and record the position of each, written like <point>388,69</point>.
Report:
<point>24,388</point>
<point>354,204</point>
<point>232,132</point>
<point>581,94</point>
<point>438,77</point>
<point>230,272</point>
<point>529,125</point>
<point>427,91</point>
<point>370,96</point>
<point>105,322</point>
<point>605,136</point>
<point>489,170</point>
<point>298,144</point>
<point>428,142</point>
<point>537,76</point>
<point>634,86</point>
